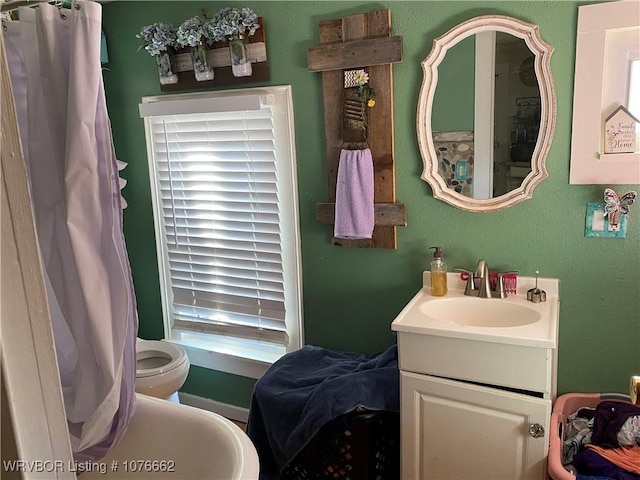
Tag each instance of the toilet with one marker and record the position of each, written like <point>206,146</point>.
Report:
<point>161,368</point>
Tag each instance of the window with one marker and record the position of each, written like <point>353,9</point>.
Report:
<point>222,168</point>
<point>607,44</point>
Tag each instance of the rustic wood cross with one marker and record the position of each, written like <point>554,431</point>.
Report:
<point>360,41</point>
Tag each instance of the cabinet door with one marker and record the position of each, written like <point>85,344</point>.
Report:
<point>456,430</point>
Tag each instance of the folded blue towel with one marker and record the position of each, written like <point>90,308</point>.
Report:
<point>305,389</point>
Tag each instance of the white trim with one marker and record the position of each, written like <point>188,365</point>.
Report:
<point>224,362</point>
<point>209,354</point>
<point>232,412</point>
<point>634,80</point>
<point>150,107</point>
<point>289,196</point>
<point>542,50</point>
<point>29,367</point>
<point>595,22</point>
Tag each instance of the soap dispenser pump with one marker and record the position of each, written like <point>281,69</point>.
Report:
<point>438,274</point>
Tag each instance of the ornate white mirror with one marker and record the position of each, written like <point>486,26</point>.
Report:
<point>486,113</point>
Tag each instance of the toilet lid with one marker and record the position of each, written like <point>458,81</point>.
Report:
<point>157,357</point>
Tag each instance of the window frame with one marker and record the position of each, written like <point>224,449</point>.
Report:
<point>236,356</point>
<point>589,165</point>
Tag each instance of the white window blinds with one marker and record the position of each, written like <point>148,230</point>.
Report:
<point>220,222</point>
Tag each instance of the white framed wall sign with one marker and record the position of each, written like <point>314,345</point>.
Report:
<point>607,58</point>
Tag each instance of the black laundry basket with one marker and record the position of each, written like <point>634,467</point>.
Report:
<point>360,445</point>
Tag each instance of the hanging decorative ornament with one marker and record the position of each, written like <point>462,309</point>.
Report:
<point>357,101</point>
<point>615,205</point>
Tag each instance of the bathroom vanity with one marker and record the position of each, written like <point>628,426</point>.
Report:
<point>477,379</point>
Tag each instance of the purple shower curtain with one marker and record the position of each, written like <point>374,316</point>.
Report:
<point>54,61</point>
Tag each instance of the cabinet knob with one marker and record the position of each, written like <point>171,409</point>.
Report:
<point>536,430</point>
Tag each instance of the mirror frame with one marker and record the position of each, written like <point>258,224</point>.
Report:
<point>542,51</point>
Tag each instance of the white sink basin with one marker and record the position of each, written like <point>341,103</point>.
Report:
<point>480,312</point>
<point>512,320</point>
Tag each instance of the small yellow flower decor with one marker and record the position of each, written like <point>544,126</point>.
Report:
<point>358,98</point>
<point>363,89</point>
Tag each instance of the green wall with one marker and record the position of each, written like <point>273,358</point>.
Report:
<point>352,295</point>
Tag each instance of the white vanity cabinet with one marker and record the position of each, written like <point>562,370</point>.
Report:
<point>454,429</point>
<point>475,401</point>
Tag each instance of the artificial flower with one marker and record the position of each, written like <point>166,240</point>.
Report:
<point>193,32</point>
<point>231,23</point>
<point>362,77</point>
<point>366,93</point>
<point>158,37</point>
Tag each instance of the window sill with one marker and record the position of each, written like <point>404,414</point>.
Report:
<point>625,157</point>
<point>219,355</point>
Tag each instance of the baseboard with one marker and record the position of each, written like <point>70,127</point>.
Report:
<point>232,412</point>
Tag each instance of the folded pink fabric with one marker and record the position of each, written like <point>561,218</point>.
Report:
<point>354,216</point>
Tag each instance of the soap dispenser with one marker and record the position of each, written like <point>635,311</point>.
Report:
<point>438,274</point>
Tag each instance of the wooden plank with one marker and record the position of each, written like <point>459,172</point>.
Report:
<point>330,31</point>
<point>386,214</point>
<point>355,54</point>
<point>353,28</point>
<point>378,24</point>
<point>354,114</point>
<point>220,59</point>
<point>223,76</point>
<point>375,24</point>
<point>381,131</point>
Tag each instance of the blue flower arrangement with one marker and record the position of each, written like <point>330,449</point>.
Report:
<point>233,22</point>
<point>158,37</point>
<point>194,31</point>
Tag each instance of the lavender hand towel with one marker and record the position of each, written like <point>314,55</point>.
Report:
<point>354,217</point>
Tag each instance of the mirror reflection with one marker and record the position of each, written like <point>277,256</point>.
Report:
<point>486,114</point>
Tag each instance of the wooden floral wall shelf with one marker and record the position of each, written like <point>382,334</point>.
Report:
<point>220,59</point>
<point>360,41</point>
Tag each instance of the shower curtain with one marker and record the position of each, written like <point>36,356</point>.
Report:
<point>54,63</point>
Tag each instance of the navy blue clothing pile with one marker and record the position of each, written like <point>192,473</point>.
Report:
<point>305,389</point>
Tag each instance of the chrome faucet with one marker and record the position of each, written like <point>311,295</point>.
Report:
<point>479,284</point>
<point>482,274</point>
